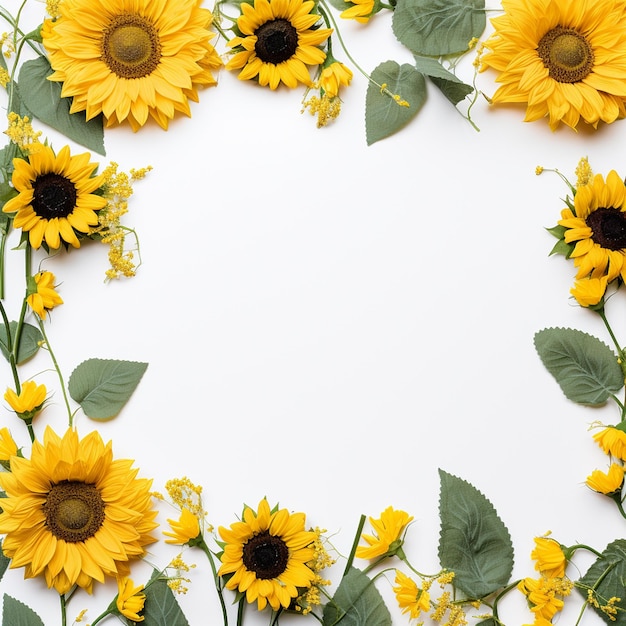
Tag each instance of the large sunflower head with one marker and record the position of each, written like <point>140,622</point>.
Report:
<point>72,513</point>
<point>276,42</point>
<point>266,556</point>
<point>595,228</point>
<point>566,60</point>
<point>56,200</point>
<point>131,59</point>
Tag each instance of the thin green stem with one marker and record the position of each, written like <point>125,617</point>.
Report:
<point>218,586</point>
<point>63,610</point>
<point>58,371</point>
<point>355,543</point>
<point>12,360</point>
<point>240,611</point>
<point>499,597</point>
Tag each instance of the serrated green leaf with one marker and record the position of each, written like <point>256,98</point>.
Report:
<point>585,368</point>
<point>474,543</point>
<point>42,97</point>
<point>4,561</point>
<point>103,386</point>
<point>161,607</point>
<point>438,27</point>
<point>29,341</point>
<point>607,576</point>
<point>383,115</point>
<point>16,613</point>
<point>356,602</point>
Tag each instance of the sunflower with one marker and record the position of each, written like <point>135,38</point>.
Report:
<point>277,42</point>
<point>265,556</point>
<point>29,401</point>
<point>566,60</point>
<point>131,59</point>
<point>56,197</point>
<point>388,539</point>
<point>596,227</point>
<point>72,513</point>
<point>549,556</point>
<point>130,599</point>
<point>43,296</point>
<point>411,599</point>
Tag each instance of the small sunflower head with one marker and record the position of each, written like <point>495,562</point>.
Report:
<point>41,293</point>
<point>389,535</point>
<point>185,530</point>
<point>29,401</point>
<point>130,600</point>
<point>608,483</point>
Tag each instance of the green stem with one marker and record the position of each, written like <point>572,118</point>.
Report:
<point>355,543</point>
<point>63,610</point>
<point>58,371</point>
<point>240,610</point>
<point>12,360</point>
<point>499,597</point>
<point>218,586</point>
<point>595,586</point>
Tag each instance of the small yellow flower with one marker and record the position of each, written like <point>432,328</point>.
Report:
<point>613,441</point>
<point>130,600</point>
<point>545,595</point>
<point>42,294</point>
<point>387,540</point>
<point>549,557</point>
<point>609,482</point>
<point>185,529</point>
<point>411,599</point>
<point>8,447</point>
<point>334,76</point>
<point>589,291</point>
<point>29,401</point>
<point>359,10</point>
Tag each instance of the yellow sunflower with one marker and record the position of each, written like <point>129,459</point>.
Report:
<point>56,198</point>
<point>42,295</point>
<point>277,42</point>
<point>566,60</point>
<point>389,529</point>
<point>74,514</point>
<point>131,59</point>
<point>265,556</point>
<point>597,228</point>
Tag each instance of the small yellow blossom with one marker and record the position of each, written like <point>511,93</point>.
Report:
<point>607,483</point>
<point>178,582</point>
<point>589,291</point>
<point>8,447</point>
<point>545,595</point>
<point>52,8</point>
<point>583,172</point>
<point>185,495</point>
<point>539,170</point>
<point>130,600</point>
<point>360,10</point>
<point>185,530</point>
<point>411,599</point>
<point>80,616</point>
<point>311,596</point>
<point>29,401</point>
<point>327,108</point>
<point>20,131</point>
<point>613,441</point>
<point>4,77</point>
<point>334,76</point>
<point>387,540</point>
<point>42,295</point>
<point>549,557</point>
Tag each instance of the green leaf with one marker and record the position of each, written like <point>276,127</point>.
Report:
<point>452,87</point>
<point>356,602</point>
<point>607,576</point>
<point>29,341</point>
<point>383,115</point>
<point>103,386</point>
<point>438,27</point>
<point>586,369</point>
<point>16,613</point>
<point>42,97</point>
<point>474,543</point>
<point>4,562</point>
<point>161,607</point>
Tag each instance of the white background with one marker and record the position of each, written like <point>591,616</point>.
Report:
<point>327,323</point>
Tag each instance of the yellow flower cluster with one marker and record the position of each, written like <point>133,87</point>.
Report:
<point>117,188</point>
<point>20,131</point>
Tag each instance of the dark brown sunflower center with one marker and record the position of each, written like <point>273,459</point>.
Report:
<point>276,42</point>
<point>608,228</point>
<point>265,555</point>
<point>130,46</point>
<point>74,511</point>
<point>567,54</point>
<point>53,196</point>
